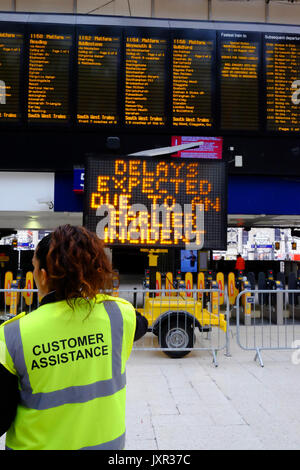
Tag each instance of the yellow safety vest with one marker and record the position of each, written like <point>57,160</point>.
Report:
<point>71,370</point>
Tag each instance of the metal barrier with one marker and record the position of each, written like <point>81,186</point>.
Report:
<point>14,301</point>
<point>271,322</point>
<point>179,320</point>
<point>182,320</point>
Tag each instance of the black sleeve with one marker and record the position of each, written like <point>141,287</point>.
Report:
<point>9,398</point>
<point>141,326</point>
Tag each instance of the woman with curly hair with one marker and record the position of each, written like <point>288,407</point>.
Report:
<point>63,365</point>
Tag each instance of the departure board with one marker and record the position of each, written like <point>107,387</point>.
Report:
<point>97,98</point>
<point>239,68</point>
<point>145,81</point>
<point>11,48</point>
<point>192,80</point>
<point>156,202</point>
<point>282,59</point>
<point>49,77</point>
<point>174,78</point>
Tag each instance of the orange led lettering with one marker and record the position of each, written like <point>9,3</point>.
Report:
<point>133,167</point>
<point>98,200</point>
<point>119,184</point>
<point>177,182</point>
<point>172,203</point>
<point>147,185</point>
<point>133,181</point>
<point>146,173</point>
<point>208,203</point>
<point>192,170</point>
<point>203,189</point>
<point>120,167</point>
<point>191,186</point>
<point>154,198</point>
<point>164,180</point>
<point>95,200</point>
<point>165,235</point>
<point>177,168</point>
<point>102,183</point>
<point>162,167</point>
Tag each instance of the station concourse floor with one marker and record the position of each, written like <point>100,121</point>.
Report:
<point>189,404</point>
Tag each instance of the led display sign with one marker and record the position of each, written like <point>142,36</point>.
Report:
<point>177,81</point>
<point>98,65</point>
<point>11,49</point>
<point>150,202</point>
<point>48,82</point>
<point>239,71</point>
<point>193,60</point>
<point>145,80</point>
<point>282,53</point>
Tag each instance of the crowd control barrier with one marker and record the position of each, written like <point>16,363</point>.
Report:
<point>275,328</point>
<point>178,322</point>
<point>15,301</point>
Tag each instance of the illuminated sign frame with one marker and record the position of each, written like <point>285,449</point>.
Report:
<point>14,27</point>
<point>286,39</point>
<point>53,29</point>
<point>106,31</point>
<point>240,37</point>
<point>151,202</point>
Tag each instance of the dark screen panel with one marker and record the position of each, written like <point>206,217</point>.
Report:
<point>98,62</point>
<point>282,62</point>
<point>11,50</point>
<point>145,79</point>
<point>239,69</point>
<point>193,81</point>
<point>153,202</point>
<point>49,76</point>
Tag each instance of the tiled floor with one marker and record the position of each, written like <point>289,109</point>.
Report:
<point>188,403</point>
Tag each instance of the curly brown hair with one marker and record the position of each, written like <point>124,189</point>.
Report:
<point>76,263</point>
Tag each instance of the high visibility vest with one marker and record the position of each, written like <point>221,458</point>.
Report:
<point>71,369</point>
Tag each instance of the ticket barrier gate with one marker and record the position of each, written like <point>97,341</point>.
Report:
<point>236,284</point>
<point>146,280</point>
<point>115,283</point>
<point>213,301</point>
<point>209,283</point>
<point>273,306</point>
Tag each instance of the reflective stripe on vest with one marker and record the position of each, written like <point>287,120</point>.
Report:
<point>77,394</point>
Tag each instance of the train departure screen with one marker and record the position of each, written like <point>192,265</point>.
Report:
<point>239,70</point>
<point>156,202</point>
<point>282,55</point>
<point>11,45</point>
<point>145,62</point>
<point>192,82</point>
<point>48,90</point>
<point>98,57</point>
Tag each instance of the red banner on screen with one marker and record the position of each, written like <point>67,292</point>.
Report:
<point>210,147</point>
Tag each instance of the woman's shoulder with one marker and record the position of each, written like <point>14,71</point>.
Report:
<point>118,300</point>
